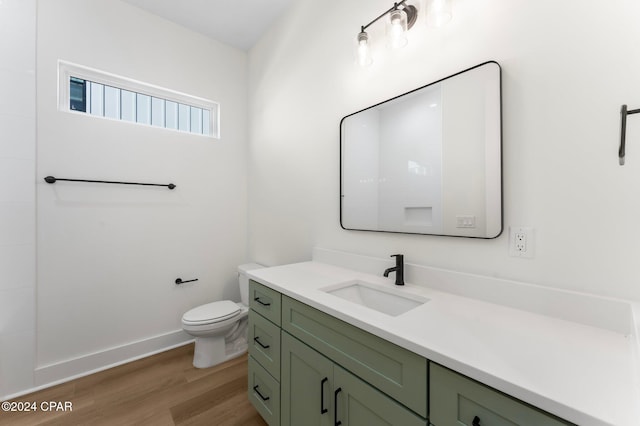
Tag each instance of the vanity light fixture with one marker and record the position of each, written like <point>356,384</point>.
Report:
<point>397,28</point>
<point>363,53</point>
<point>401,17</point>
<point>438,12</point>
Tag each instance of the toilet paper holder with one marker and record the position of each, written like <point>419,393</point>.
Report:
<point>179,281</point>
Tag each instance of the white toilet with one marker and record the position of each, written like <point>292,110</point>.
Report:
<point>220,328</point>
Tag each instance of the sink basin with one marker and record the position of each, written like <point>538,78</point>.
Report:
<point>388,301</point>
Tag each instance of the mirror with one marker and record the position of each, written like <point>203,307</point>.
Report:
<point>428,161</point>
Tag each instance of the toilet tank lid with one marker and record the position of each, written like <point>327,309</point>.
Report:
<point>249,266</point>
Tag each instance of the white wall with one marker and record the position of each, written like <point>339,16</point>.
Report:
<point>567,68</point>
<point>17,194</point>
<point>108,255</point>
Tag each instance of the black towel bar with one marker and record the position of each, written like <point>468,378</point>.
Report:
<point>623,131</point>
<point>52,179</point>
<point>179,281</point>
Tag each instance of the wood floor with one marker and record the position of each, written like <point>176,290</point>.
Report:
<point>161,390</point>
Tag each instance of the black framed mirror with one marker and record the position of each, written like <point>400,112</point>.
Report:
<point>428,161</point>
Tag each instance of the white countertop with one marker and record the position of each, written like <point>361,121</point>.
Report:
<point>582,373</point>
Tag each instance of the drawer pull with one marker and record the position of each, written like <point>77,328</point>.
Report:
<point>264,398</point>
<point>257,299</point>
<point>336,422</point>
<point>257,340</point>
<point>322,409</point>
<point>476,421</point>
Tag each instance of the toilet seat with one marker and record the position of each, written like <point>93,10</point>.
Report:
<point>211,313</point>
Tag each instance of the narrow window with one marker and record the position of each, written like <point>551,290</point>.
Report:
<point>98,94</point>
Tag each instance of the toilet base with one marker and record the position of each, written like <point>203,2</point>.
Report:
<point>210,351</point>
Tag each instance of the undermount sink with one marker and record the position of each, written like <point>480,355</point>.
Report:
<point>390,301</point>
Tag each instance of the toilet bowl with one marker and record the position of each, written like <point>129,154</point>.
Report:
<point>220,328</point>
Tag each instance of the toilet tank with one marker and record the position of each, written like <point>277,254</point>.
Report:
<point>243,280</point>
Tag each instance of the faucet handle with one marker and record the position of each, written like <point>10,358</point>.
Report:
<point>399,269</point>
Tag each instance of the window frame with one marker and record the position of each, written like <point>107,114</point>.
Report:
<point>67,70</point>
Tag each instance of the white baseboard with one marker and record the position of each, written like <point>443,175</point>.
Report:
<point>64,371</point>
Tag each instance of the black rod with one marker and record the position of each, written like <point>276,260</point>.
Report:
<point>179,281</point>
<point>394,7</point>
<point>623,131</point>
<point>623,134</point>
<point>52,179</point>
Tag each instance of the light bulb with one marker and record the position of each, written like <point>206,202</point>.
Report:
<point>397,29</point>
<point>438,12</point>
<point>363,51</point>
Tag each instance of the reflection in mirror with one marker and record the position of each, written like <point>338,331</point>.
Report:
<point>428,161</point>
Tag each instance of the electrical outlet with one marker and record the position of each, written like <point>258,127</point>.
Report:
<point>465,221</point>
<point>521,242</point>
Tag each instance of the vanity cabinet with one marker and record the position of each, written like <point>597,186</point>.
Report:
<point>309,368</point>
<point>460,401</point>
<point>317,392</point>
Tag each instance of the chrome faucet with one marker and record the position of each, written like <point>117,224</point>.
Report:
<point>398,269</point>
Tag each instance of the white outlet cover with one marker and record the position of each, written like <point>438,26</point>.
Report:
<point>519,248</point>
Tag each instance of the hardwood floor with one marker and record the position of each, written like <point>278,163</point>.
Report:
<point>161,390</point>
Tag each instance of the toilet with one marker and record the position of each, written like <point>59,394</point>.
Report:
<point>220,328</point>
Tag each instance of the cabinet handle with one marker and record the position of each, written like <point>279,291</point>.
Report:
<point>256,339</point>
<point>476,421</point>
<point>336,422</point>
<point>257,299</point>
<point>322,409</point>
<point>264,398</point>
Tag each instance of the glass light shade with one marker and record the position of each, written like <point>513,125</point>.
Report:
<point>363,50</point>
<point>397,29</point>
<point>438,12</point>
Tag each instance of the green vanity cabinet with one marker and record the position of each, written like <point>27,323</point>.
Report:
<point>318,392</point>
<point>456,400</point>
<point>309,368</point>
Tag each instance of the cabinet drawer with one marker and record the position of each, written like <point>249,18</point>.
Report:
<point>264,343</point>
<point>264,393</point>
<point>397,372</point>
<point>457,400</point>
<point>265,301</point>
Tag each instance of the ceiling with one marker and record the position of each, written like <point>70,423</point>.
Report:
<point>238,23</point>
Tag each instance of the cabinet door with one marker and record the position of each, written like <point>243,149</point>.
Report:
<point>456,400</point>
<point>359,404</point>
<point>306,384</point>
